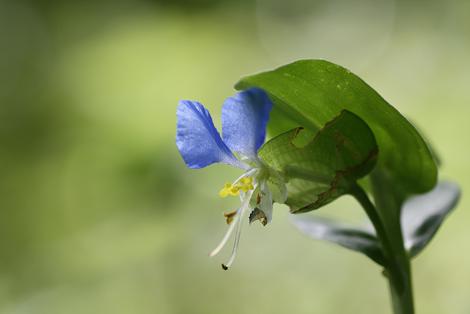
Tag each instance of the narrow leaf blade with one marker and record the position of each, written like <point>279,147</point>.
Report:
<point>422,215</point>
<point>351,237</point>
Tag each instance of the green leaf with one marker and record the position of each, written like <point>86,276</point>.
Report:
<point>351,237</point>
<point>321,167</point>
<point>421,218</point>
<point>309,93</point>
<point>422,215</point>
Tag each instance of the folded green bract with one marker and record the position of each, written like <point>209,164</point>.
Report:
<point>310,93</point>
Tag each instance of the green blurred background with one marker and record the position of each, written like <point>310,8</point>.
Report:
<point>98,213</point>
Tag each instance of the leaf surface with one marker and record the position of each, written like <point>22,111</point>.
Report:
<point>321,167</point>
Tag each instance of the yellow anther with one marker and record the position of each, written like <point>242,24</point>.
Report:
<point>246,180</point>
<point>234,190</point>
<point>225,190</point>
<point>246,187</point>
<point>245,184</point>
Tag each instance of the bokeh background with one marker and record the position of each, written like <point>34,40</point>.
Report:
<point>98,213</point>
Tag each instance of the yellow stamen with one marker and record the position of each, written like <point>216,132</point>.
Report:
<point>225,190</point>
<point>245,184</point>
<point>246,180</point>
<point>246,187</point>
<point>234,190</point>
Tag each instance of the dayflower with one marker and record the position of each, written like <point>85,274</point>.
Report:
<point>244,120</point>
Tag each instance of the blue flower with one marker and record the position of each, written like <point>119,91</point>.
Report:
<point>244,120</point>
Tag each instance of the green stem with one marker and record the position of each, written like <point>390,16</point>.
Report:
<point>402,299</point>
<point>397,270</point>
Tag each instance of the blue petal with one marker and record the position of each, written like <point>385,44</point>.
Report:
<point>244,119</point>
<point>197,138</point>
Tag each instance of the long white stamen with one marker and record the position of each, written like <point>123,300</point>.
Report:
<point>226,236</point>
<point>245,206</point>
<point>235,247</point>
<point>234,222</point>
